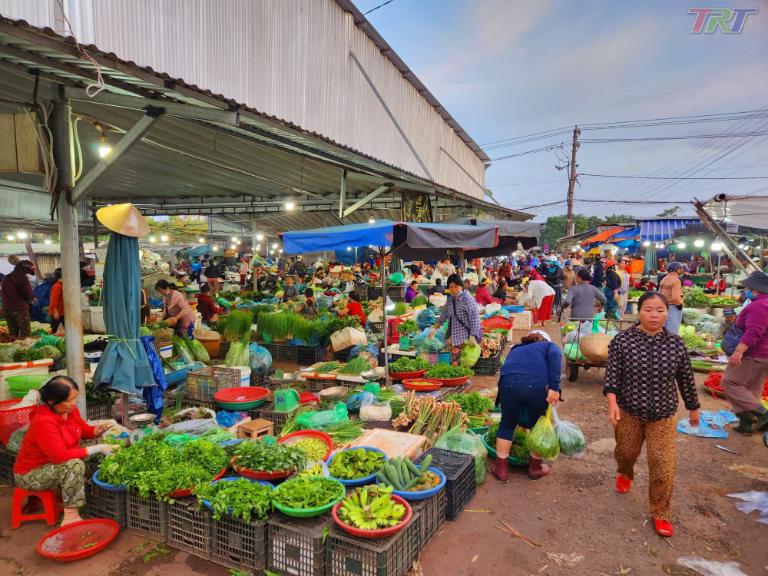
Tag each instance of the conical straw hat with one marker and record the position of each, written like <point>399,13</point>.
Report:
<point>124,219</point>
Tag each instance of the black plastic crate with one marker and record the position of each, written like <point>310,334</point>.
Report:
<point>271,348</point>
<point>189,527</point>
<point>487,366</point>
<point>147,516</point>
<point>99,408</point>
<point>102,503</point>
<point>224,349</point>
<point>352,556</point>
<point>308,355</point>
<point>376,327</point>
<point>396,293</point>
<point>187,403</point>
<point>374,292</point>
<point>296,546</point>
<point>278,419</point>
<point>7,460</point>
<point>432,514</point>
<point>460,486</point>
<point>264,379</point>
<point>317,384</point>
<point>238,544</point>
<point>287,352</point>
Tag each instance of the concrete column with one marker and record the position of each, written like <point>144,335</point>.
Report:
<point>63,151</point>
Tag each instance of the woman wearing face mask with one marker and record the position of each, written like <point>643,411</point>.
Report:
<point>50,455</point>
<point>646,366</point>
<point>747,367</point>
<point>461,311</point>
<point>176,310</point>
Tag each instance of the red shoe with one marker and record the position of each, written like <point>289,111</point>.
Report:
<point>537,468</point>
<point>623,484</point>
<point>501,469</point>
<point>663,527</point>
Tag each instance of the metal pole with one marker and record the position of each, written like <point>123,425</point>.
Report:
<point>63,152</point>
<point>719,255</point>
<point>384,306</point>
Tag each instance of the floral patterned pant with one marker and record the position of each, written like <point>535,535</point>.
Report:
<point>69,477</point>
<point>659,437</point>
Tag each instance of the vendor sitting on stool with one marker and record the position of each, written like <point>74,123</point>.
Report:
<point>50,455</point>
<point>529,380</point>
<point>176,310</point>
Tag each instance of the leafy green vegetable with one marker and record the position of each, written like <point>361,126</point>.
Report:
<point>406,364</point>
<point>695,298</point>
<point>544,442</point>
<point>473,403</point>
<point>308,492</point>
<point>446,371</point>
<point>345,431</point>
<point>198,350</point>
<point>181,350</point>
<point>355,366</point>
<point>327,367</point>
<point>261,457</point>
<point>407,327</point>
<point>420,300</point>
<point>356,463</point>
<point>239,498</point>
<point>237,325</point>
<point>400,308</point>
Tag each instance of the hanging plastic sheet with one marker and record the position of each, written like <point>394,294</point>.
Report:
<point>153,395</point>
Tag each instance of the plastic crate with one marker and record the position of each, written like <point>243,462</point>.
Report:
<point>317,384</point>
<point>101,503</point>
<point>223,349</point>
<point>278,419</point>
<point>296,546</point>
<point>487,366</point>
<point>99,408</point>
<point>308,355</point>
<point>396,293</point>
<point>12,418</point>
<point>271,348</point>
<point>352,556</point>
<point>460,486</point>
<point>376,327</point>
<point>374,292</point>
<point>238,544</point>
<point>187,403</point>
<point>203,384</point>
<point>264,380</point>
<point>432,514</point>
<point>190,528</point>
<point>7,460</point>
<point>147,516</point>
<point>287,352</point>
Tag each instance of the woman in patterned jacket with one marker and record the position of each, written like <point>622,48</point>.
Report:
<point>646,366</point>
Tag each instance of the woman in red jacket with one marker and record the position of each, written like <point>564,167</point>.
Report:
<point>481,294</point>
<point>56,302</point>
<point>50,455</point>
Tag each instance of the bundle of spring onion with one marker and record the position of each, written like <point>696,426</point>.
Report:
<point>237,324</point>
<point>356,366</point>
<point>429,417</point>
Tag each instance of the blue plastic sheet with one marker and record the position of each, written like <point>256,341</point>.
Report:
<point>712,424</point>
<point>227,419</point>
<point>153,395</point>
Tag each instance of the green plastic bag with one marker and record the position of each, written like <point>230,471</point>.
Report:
<point>181,350</point>
<point>469,354</point>
<point>466,443</point>
<point>543,439</point>
<point>198,350</point>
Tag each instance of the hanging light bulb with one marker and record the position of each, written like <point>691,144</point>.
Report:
<point>10,237</point>
<point>371,221</point>
<point>48,241</point>
<point>104,147</point>
<point>646,243</point>
<point>152,239</point>
<point>274,246</point>
<point>201,240</point>
<point>699,243</point>
<point>163,238</point>
<point>681,245</point>
<point>716,246</point>
<point>259,236</point>
<point>290,205</point>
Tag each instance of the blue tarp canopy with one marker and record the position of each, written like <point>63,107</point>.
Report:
<point>408,239</point>
<point>629,233</point>
<point>658,230</point>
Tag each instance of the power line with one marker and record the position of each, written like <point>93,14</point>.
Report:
<point>537,150</point>
<point>662,138</point>
<point>604,201</point>
<point>377,7</point>
<point>651,177</point>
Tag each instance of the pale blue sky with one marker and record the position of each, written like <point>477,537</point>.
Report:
<point>506,68</point>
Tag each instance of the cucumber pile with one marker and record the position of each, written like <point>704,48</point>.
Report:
<point>404,476</point>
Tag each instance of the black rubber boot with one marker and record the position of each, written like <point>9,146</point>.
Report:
<point>746,420</point>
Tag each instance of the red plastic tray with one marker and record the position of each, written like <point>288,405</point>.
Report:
<point>188,492</point>
<point>259,475</point>
<point>383,532</point>
<point>289,438</point>
<point>78,540</point>
<point>452,382</point>
<point>241,394</point>
<point>406,375</point>
<point>496,322</point>
<point>437,385</point>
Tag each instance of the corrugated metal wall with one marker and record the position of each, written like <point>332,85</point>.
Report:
<point>299,60</point>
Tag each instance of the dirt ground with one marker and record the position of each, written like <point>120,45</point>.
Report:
<point>579,525</point>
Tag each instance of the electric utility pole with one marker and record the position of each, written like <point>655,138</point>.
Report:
<point>571,230</point>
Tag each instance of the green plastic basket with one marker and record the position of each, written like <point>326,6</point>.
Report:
<point>513,461</point>
<point>480,430</point>
<point>311,512</point>
<point>19,385</point>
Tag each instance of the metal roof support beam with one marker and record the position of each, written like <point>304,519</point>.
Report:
<point>365,199</point>
<point>171,108</point>
<point>342,193</point>
<point>130,139</point>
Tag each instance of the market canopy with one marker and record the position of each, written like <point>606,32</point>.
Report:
<point>602,236</point>
<point>511,234</point>
<point>659,230</point>
<point>749,211</point>
<point>409,239</point>
<point>628,234</point>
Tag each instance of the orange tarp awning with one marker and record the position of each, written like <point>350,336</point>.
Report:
<point>602,236</point>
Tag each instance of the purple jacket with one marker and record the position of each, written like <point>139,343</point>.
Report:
<point>754,321</point>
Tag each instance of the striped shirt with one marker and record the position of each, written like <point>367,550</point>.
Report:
<point>464,317</point>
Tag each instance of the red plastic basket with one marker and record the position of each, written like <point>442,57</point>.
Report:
<point>293,436</point>
<point>406,375</point>
<point>452,382</point>
<point>381,533</point>
<point>242,394</point>
<point>408,384</point>
<point>78,540</point>
<point>496,322</point>
<point>260,474</point>
<point>11,419</point>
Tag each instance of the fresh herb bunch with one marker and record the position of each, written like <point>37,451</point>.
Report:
<point>400,308</point>
<point>305,492</point>
<point>237,324</point>
<point>406,364</point>
<point>355,366</point>
<point>239,499</point>
<point>446,371</point>
<point>356,463</point>
<point>695,298</point>
<point>407,327</point>
<point>314,448</point>
<point>327,367</point>
<point>344,431</point>
<point>261,457</point>
<point>420,300</point>
<point>473,403</point>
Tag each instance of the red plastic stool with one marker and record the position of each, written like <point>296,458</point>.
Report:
<point>52,507</point>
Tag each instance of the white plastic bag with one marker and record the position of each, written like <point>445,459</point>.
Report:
<point>710,568</point>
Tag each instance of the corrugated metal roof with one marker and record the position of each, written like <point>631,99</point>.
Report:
<point>657,230</point>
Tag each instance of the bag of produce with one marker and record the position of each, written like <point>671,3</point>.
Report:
<point>426,318</point>
<point>49,351</point>
<point>182,351</point>
<point>198,350</point>
<point>238,355</point>
<point>467,443</point>
<point>470,354</point>
<point>570,437</point>
<point>261,359</point>
<point>543,439</point>
<point>7,352</point>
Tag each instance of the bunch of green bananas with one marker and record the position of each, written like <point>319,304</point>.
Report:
<point>371,508</point>
<point>402,473</point>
